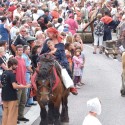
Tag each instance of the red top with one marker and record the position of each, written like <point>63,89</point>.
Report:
<point>1,8</point>
<point>106,19</point>
<point>21,71</point>
<point>55,14</point>
<point>12,8</point>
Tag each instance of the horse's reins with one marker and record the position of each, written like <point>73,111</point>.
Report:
<point>50,92</point>
<point>43,85</point>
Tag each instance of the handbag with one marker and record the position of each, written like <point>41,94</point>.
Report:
<point>67,81</point>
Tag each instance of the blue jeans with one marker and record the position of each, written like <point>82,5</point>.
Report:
<point>1,114</point>
<point>29,99</point>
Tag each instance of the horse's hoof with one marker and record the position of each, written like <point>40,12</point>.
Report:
<point>62,123</point>
<point>57,123</point>
<point>65,120</point>
<point>122,95</point>
<point>50,123</point>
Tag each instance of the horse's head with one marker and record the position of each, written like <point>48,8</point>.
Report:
<point>43,91</point>
<point>45,65</point>
<point>45,79</point>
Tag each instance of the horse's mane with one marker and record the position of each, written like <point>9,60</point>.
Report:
<point>46,57</point>
<point>46,61</point>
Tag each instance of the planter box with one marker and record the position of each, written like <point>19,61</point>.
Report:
<point>87,37</point>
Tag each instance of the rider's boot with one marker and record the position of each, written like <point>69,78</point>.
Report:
<point>73,90</point>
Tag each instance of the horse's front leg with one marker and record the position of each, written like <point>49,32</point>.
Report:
<point>50,113</point>
<point>56,115</point>
<point>64,112</point>
<point>43,115</point>
<point>56,112</point>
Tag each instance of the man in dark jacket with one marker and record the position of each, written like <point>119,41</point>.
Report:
<point>44,19</point>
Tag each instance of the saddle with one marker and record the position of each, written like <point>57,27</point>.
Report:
<point>48,69</point>
<point>47,60</point>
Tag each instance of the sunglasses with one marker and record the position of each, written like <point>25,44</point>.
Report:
<point>23,31</point>
<point>63,35</point>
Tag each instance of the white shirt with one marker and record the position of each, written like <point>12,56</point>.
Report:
<point>16,13</point>
<point>40,12</point>
<point>91,120</point>
<point>35,16</point>
<point>113,11</point>
<point>64,4</point>
<point>59,27</point>
<point>28,13</point>
<point>13,32</point>
<point>51,5</point>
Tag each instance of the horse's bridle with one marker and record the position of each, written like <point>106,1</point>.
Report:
<point>43,85</point>
<point>50,93</point>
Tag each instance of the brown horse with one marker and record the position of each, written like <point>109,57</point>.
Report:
<point>123,75</point>
<point>51,92</point>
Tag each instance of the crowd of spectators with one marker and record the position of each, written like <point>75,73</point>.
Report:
<point>29,28</point>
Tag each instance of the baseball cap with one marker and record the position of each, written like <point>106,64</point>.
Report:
<point>46,10</point>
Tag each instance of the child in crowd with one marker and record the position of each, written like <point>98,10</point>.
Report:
<point>57,53</point>
<point>69,54</point>
<point>94,108</point>
<point>78,64</point>
<point>53,51</point>
<point>78,41</point>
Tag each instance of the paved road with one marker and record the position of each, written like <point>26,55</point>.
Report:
<point>102,78</point>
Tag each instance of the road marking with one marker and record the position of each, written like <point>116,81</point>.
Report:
<point>32,115</point>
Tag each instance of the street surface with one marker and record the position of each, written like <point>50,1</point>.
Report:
<point>102,77</point>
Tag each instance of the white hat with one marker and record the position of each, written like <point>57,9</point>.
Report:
<point>11,3</point>
<point>66,25</point>
<point>94,105</point>
<point>77,9</point>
